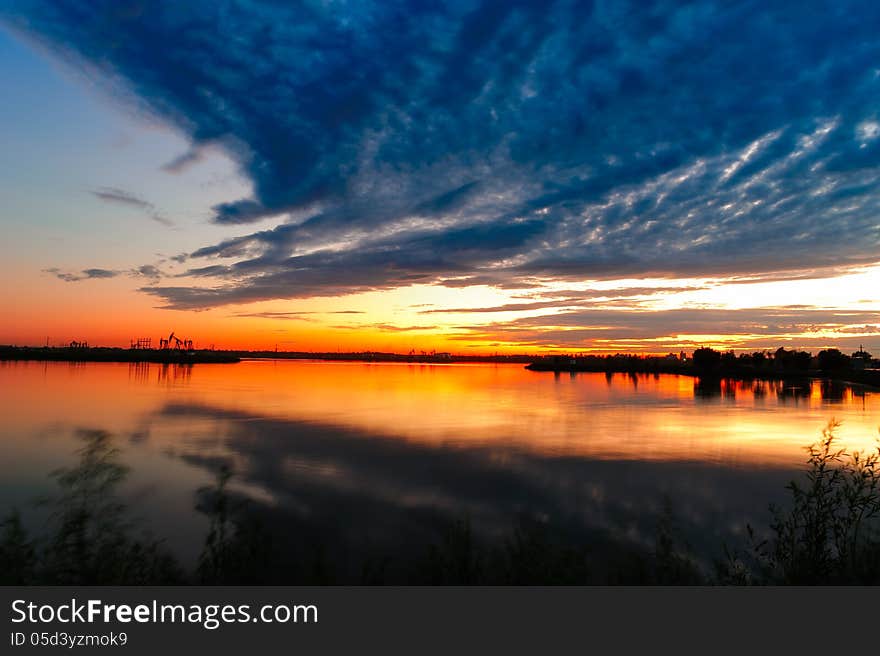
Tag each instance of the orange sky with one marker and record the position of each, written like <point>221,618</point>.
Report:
<point>112,312</point>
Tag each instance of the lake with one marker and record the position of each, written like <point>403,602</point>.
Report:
<point>372,456</point>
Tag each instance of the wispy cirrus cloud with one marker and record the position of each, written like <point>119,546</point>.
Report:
<point>150,271</point>
<point>642,329</point>
<point>122,197</point>
<point>184,161</point>
<point>293,316</point>
<point>387,327</point>
<point>85,274</point>
<point>566,298</point>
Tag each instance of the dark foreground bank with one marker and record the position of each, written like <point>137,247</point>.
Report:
<point>101,354</point>
<point>184,356</point>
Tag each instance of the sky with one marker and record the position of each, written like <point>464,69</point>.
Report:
<point>470,177</point>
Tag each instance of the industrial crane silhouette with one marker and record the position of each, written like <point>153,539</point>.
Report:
<point>178,344</point>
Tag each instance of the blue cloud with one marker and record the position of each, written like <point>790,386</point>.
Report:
<point>402,141</point>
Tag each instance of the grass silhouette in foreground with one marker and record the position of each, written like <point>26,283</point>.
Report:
<point>827,534</point>
<point>90,541</point>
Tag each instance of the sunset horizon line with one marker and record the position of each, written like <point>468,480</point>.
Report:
<point>536,353</point>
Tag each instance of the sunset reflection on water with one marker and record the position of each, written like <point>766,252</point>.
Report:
<point>484,438</point>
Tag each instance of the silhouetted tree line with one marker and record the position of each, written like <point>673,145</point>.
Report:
<point>784,363</point>
<point>618,363</point>
<point>707,362</point>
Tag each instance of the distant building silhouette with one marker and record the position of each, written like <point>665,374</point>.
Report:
<point>861,359</point>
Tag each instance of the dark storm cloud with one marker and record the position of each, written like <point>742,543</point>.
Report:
<point>499,141</point>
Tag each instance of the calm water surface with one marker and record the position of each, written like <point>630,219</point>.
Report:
<point>371,451</point>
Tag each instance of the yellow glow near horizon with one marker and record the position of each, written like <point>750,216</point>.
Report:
<point>423,317</point>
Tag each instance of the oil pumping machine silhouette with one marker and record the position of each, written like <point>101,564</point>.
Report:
<point>173,342</point>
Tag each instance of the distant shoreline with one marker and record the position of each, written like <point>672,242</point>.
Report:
<point>200,356</point>
<point>554,364</point>
<point>98,354</point>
